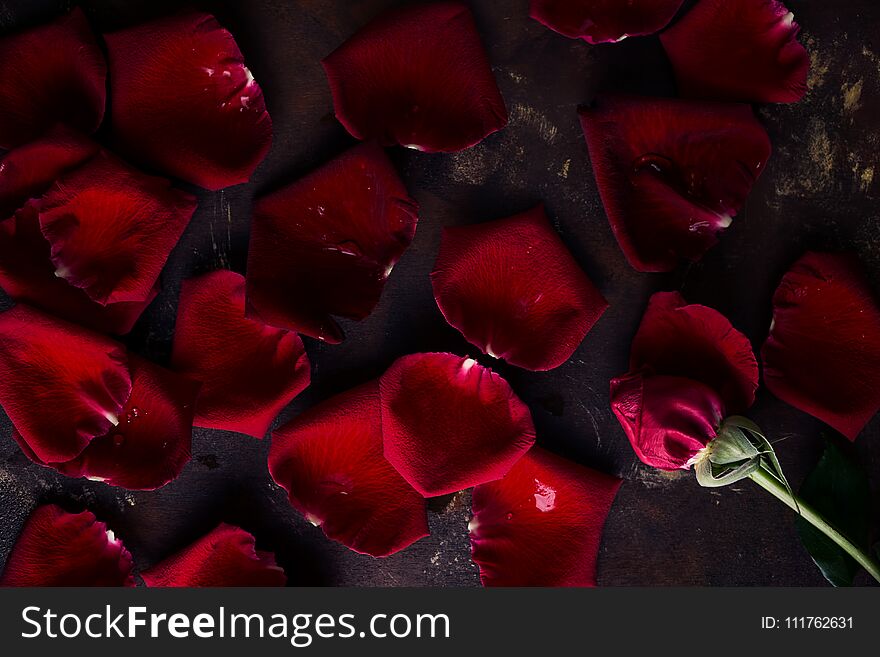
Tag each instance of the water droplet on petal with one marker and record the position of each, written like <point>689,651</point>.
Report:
<point>653,161</point>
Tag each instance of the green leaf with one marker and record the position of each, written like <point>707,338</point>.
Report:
<point>838,488</point>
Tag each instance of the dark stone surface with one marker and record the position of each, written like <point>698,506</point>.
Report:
<point>820,191</point>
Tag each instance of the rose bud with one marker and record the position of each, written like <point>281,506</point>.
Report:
<point>668,419</point>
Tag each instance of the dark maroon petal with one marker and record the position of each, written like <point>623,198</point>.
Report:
<point>823,352</point>
<point>667,419</point>
<point>417,76</point>
<point>449,423</point>
<point>601,21</point>
<point>249,371</point>
<point>152,442</point>
<point>672,173</point>
<point>513,290</point>
<point>326,244</point>
<point>184,102</point>
<point>61,385</point>
<point>330,461</point>
<point>225,557</point>
<point>28,171</point>
<point>542,524</point>
<point>111,228</point>
<point>53,73</point>
<point>699,343</point>
<point>743,50</point>
<point>28,275</point>
<point>57,548</point>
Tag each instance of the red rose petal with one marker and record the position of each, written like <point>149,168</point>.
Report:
<point>184,102</point>
<point>249,371</point>
<point>61,385</point>
<point>542,524</point>
<point>672,173</point>
<point>152,442</point>
<point>225,557</point>
<point>696,342</point>
<point>667,419</point>
<point>601,21</point>
<point>325,244</point>
<point>58,76</point>
<point>26,271</point>
<point>823,352</point>
<point>419,77</point>
<point>57,548</point>
<point>330,461</point>
<point>28,171</point>
<point>28,276</point>
<point>449,423</point>
<point>744,50</point>
<point>111,228</point>
<point>512,288</point>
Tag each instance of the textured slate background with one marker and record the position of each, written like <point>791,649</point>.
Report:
<point>820,191</point>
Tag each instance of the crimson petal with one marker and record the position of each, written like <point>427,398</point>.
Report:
<point>381,88</point>
<point>745,50</point>
<point>326,244</point>
<point>152,442</point>
<point>184,102</point>
<point>699,343</point>
<point>111,228</point>
<point>61,385</point>
<point>28,275</point>
<point>601,21</point>
<point>823,352</point>
<point>672,173</point>
<point>225,557</point>
<point>57,548</point>
<point>449,423</point>
<point>330,461</point>
<point>667,419</point>
<point>28,171</point>
<point>513,290</point>
<point>249,371</point>
<point>58,76</point>
<point>542,524</point>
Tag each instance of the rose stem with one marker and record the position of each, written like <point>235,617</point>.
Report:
<point>772,485</point>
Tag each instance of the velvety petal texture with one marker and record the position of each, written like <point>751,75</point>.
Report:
<point>699,343</point>
<point>111,228</point>
<point>417,76</point>
<point>326,244</point>
<point>689,368</point>
<point>743,50</point>
<point>153,440</point>
<point>512,288</point>
<point>26,270</point>
<point>449,423</point>
<point>28,171</point>
<point>249,371</point>
<point>330,461</point>
<point>184,102</point>
<point>28,275</point>
<point>823,352</point>
<point>541,525</point>
<point>672,174</point>
<point>667,419</point>
<point>53,73</point>
<point>226,557</point>
<point>601,21</point>
<point>57,548</point>
<point>61,385</point>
